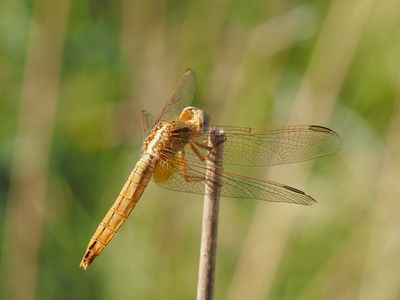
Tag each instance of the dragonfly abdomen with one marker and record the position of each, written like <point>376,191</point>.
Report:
<point>122,207</point>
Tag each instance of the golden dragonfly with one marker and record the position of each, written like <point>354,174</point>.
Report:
<point>175,152</point>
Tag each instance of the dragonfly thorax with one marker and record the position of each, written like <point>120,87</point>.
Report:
<point>167,138</point>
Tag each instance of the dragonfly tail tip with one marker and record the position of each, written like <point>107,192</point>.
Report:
<point>84,264</point>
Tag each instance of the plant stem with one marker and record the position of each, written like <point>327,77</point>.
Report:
<point>209,229</point>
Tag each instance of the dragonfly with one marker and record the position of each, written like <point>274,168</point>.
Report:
<point>175,152</point>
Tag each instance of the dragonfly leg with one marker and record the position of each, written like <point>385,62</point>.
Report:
<point>203,145</point>
<point>181,155</point>
<point>195,151</point>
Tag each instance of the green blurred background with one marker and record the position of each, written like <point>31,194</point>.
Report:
<point>74,76</point>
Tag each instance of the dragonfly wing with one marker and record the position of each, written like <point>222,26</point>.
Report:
<point>147,121</point>
<point>182,97</point>
<point>240,186</point>
<point>275,146</point>
<point>187,175</point>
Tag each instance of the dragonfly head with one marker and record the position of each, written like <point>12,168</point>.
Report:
<point>196,117</point>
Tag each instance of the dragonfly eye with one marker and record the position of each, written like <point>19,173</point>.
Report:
<point>202,120</point>
<point>188,113</point>
<point>196,117</point>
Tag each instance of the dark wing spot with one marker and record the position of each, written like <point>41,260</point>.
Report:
<point>320,128</point>
<point>293,189</point>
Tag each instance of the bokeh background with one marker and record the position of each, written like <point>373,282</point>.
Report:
<point>74,76</point>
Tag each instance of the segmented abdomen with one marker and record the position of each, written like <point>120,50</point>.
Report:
<point>121,208</point>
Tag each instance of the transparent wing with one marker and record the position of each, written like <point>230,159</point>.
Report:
<point>147,121</point>
<point>182,97</point>
<point>180,174</point>
<point>246,146</point>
